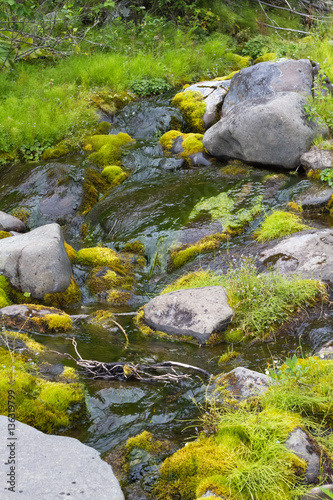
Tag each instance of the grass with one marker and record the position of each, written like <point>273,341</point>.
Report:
<point>280,224</point>
<point>261,302</point>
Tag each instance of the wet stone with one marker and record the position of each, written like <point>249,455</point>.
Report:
<point>316,196</point>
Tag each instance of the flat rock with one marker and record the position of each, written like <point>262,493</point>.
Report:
<point>242,383</point>
<point>36,262</point>
<point>268,131</point>
<point>317,159</point>
<point>317,493</point>
<point>10,223</point>
<point>55,467</point>
<point>268,78</point>
<point>299,443</point>
<point>195,312</point>
<point>308,253</point>
<point>316,196</point>
<point>28,317</point>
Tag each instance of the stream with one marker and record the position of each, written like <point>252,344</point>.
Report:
<point>152,206</point>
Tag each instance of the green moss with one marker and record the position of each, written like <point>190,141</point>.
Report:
<point>136,247</point>
<point>143,441</point>
<point>107,148</point>
<point>111,102</point>
<point>228,356</point>
<point>280,224</point>
<point>70,251</point>
<point>236,168</point>
<point>234,335</point>
<point>192,144</point>
<point>118,297</point>
<point>270,56</point>
<point>93,185</point>
<point>209,243</point>
<point>103,257</point>
<point>295,207</point>
<point>4,292</point>
<point>47,406</point>
<point>101,317</point>
<point>58,322</point>
<point>72,295</point>
<point>21,213</point>
<point>240,62</point>
<point>115,175</point>
<point>4,234</point>
<point>227,77</point>
<point>192,105</point>
<point>102,128</point>
<point>8,337</point>
<point>169,138</point>
<point>103,279</point>
<point>55,152</point>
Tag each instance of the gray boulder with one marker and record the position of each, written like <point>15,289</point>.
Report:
<point>10,223</point>
<point>317,493</point>
<point>317,159</point>
<point>242,383</point>
<point>36,262</point>
<point>266,79</point>
<point>308,253</point>
<point>196,312</point>
<point>300,444</point>
<point>51,467</point>
<point>315,196</point>
<point>272,130</point>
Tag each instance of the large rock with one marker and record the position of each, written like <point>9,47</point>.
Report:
<point>272,130</point>
<point>309,254</point>
<point>195,312</point>
<point>10,223</point>
<point>268,78</point>
<point>242,383</point>
<point>51,467</point>
<point>214,93</point>
<point>299,443</point>
<point>36,262</point>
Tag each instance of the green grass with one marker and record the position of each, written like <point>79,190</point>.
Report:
<point>261,302</point>
<point>280,224</point>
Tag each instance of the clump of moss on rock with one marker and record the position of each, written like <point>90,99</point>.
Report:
<point>72,295</point>
<point>4,292</point>
<point>103,279</point>
<point>184,254</point>
<point>192,105</point>
<point>107,148</point>
<point>4,234</point>
<point>21,213</point>
<point>191,143</point>
<point>144,441</point>
<point>114,174</point>
<point>56,152</point>
<point>33,317</point>
<point>103,257</point>
<point>280,224</point>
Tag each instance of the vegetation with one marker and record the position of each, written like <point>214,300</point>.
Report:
<point>280,224</point>
<point>261,302</point>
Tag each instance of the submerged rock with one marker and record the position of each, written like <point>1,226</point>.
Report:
<point>65,467</point>
<point>10,223</point>
<point>242,383</point>
<point>299,443</point>
<point>196,312</point>
<point>36,262</point>
<point>273,130</point>
<point>308,253</point>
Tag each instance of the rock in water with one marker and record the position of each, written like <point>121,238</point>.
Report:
<point>36,262</point>
<point>195,312</point>
<point>272,130</point>
<point>50,467</point>
<point>242,383</point>
<point>267,78</point>
<point>10,223</point>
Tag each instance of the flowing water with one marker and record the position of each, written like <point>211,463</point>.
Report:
<point>152,206</point>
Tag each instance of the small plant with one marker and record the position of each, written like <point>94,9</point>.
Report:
<point>293,371</point>
<point>327,492</point>
<point>149,86</point>
<point>327,176</point>
<point>279,224</point>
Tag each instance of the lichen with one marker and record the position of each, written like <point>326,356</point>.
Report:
<point>192,105</point>
<point>72,295</point>
<point>56,152</point>
<point>115,175</point>
<point>4,234</point>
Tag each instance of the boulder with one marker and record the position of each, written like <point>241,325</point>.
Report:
<point>36,262</point>
<point>31,317</point>
<point>10,223</point>
<point>195,312</point>
<point>242,383</point>
<point>49,467</point>
<point>317,159</point>
<point>308,253</point>
<point>317,493</point>
<point>272,130</point>
<point>299,443</point>
<point>214,93</point>
<point>315,196</point>
<point>268,78</point>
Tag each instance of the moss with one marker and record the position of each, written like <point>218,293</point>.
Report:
<point>21,213</point>
<point>103,279</point>
<point>101,317</point>
<point>295,207</point>
<point>69,374</point>
<point>192,105</point>
<point>169,138</point>
<point>29,342</point>
<point>118,297</point>
<point>179,257</point>
<point>58,322</point>
<point>39,318</point>
<point>236,168</point>
<point>56,152</point>
<point>111,102</point>
<point>5,290</point>
<point>143,441</point>
<point>314,174</point>
<point>47,406</point>
<point>192,144</point>
<point>72,295</point>
<point>240,62</point>
<point>227,77</point>
<point>70,251</point>
<point>93,185</point>
<point>279,224</point>
<point>115,175</point>
<point>4,234</point>
<point>228,356</point>
<point>102,257</point>
<point>102,128</point>
<point>234,335</point>
<point>107,148</point>
<point>136,247</point>
<point>270,56</point>
<point>84,229</point>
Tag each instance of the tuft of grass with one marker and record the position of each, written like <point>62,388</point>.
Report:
<point>280,224</point>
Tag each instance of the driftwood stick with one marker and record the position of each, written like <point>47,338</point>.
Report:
<point>182,365</point>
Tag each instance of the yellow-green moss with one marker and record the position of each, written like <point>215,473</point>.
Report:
<point>236,168</point>
<point>70,251</point>
<point>136,247</point>
<point>107,148</point>
<point>240,62</point>
<point>55,152</point>
<point>102,128</point>
<point>100,257</point>
<point>115,175</point>
<point>209,243</point>
<point>227,356</point>
<point>295,207</point>
<point>69,374</point>
<point>270,56</point>
<point>192,144</point>
<point>47,406</point>
<point>103,279</point>
<point>111,102</point>
<point>227,77</point>
<point>192,105</point>
<point>118,297</point>
<point>314,174</point>
<point>5,290</point>
<point>143,441</point>
<point>30,343</point>
<point>4,234</point>
<point>21,213</point>
<point>169,138</point>
<point>279,224</point>
<point>38,318</point>
<point>72,295</point>
<point>233,335</point>
<point>101,317</point>
<point>57,322</point>
<point>93,184</point>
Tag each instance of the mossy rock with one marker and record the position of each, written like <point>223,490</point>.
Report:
<point>4,234</point>
<point>135,247</point>
<point>114,174</point>
<point>56,152</point>
<point>94,185</point>
<point>47,406</point>
<point>101,317</point>
<point>280,224</point>
<point>270,56</point>
<point>184,254</point>
<point>72,295</point>
<point>32,317</point>
<point>192,106</point>
<point>146,442</point>
<point>103,279</point>
<point>12,340</point>
<point>107,148</point>
<point>186,146</point>
<point>5,290</point>
<point>104,257</point>
<point>111,102</point>
<point>70,251</point>
<point>118,297</point>
<point>21,213</point>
